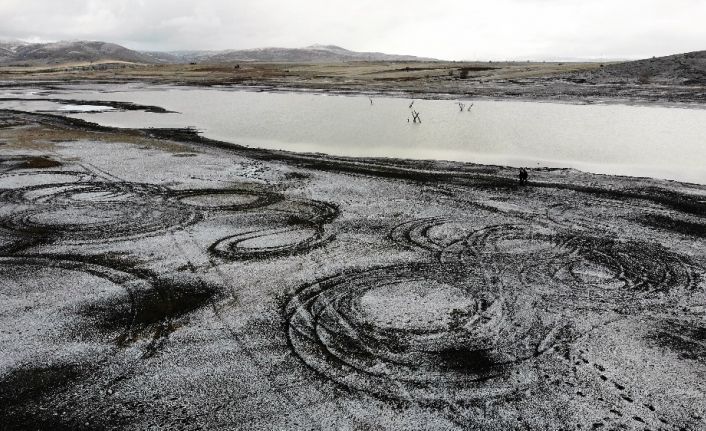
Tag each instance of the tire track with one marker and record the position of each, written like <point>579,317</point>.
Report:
<point>227,199</point>
<point>299,226</point>
<point>94,211</point>
<point>372,331</point>
<point>235,335</point>
<point>609,274</point>
<point>565,267</point>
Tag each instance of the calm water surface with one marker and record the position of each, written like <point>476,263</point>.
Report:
<point>655,141</point>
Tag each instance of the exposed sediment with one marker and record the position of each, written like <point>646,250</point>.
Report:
<point>321,292</point>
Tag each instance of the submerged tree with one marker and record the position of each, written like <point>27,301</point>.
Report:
<point>462,106</point>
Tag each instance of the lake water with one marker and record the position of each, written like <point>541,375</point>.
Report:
<point>655,141</point>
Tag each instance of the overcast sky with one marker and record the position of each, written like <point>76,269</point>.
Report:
<point>446,29</point>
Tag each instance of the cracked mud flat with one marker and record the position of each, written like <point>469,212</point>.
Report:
<point>251,289</point>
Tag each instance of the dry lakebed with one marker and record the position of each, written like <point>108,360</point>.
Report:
<point>156,278</point>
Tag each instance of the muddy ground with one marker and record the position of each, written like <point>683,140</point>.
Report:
<point>153,279</point>
<point>669,80</point>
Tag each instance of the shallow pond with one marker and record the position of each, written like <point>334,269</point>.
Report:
<point>655,141</point>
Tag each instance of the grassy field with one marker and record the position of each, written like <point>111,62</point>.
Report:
<point>569,82</point>
<point>359,72</point>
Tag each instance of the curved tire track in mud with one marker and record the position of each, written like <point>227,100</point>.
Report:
<point>71,303</point>
<point>92,192</point>
<point>505,244</point>
<point>307,210</point>
<point>298,226</point>
<point>94,211</point>
<point>227,199</point>
<point>145,306</point>
<point>575,264</point>
<point>556,270</point>
<point>89,211</point>
<point>589,213</point>
<point>83,280</point>
<point>687,337</point>
<point>415,233</point>
<point>374,331</point>
<point>263,243</point>
<point>456,240</point>
<point>641,267</point>
<point>598,272</point>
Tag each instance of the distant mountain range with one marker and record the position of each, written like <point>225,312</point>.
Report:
<point>22,53</point>
<point>16,52</point>
<point>689,68</point>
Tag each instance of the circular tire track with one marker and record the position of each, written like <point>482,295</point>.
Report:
<point>564,266</point>
<point>227,200</point>
<point>416,233</point>
<point>91,211</point>
<point>627,266</point>
<point>423,332</point>
<point>85,192</point>
<point>298,226</point>
<point>507,244</point>
<point>589,215</point>
<point>577,268</point>
<point>306,211</point>
<point>454,241</point>
<point>270,242</point>
<point>635,266</point>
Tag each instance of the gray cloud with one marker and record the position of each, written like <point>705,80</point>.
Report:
<point>451,29</point>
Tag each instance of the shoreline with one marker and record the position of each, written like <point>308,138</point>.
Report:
<point>547,164</point>
<point>429,168</point>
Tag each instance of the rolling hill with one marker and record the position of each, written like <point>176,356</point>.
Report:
<point>684,69</point>
<point>309,54</point>
<point>37,54</point>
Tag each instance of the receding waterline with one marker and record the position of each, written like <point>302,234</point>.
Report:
<point>652,141</point>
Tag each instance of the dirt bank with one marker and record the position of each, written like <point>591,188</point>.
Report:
<point>155,278</point>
